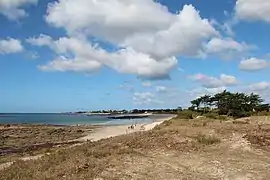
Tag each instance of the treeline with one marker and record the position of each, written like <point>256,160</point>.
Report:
<point>230,104</point>
<point>135,111</point>
<point>157,111</point>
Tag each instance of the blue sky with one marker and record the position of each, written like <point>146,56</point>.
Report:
<point>66,55</point>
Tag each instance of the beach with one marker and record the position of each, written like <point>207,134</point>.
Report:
<point>112,131</point>
<point>182,149</point>
<point>63,137</point>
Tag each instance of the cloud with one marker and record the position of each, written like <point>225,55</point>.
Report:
<point>260,86</point>
<point>253,10</point>
<point>228,80</point>
<point>42,40</point>
<point>113,20</point>
<point>34,55</point>
<point>8,46</point>
<point>146,84</point>
<point>145,98</point>
<point>12,9</point>
<point>212,82</point>
<point>127,87</point>
<point>161,89</point>
<point>201,91</point>
<point>77,52</point>
<point>253,64</point>
<point>226,48</point>
<point>159,34</point>
<point>147,47</point>
<point>173,41</point>
<point>77,65</point>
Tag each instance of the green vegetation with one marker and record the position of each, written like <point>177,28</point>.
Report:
<point>135,111</point>
<point>230,104</point>
<point>188,149</point>
<point>189,146</point>
<point>186,114</point>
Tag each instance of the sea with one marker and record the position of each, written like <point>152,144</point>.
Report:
<point>70,119</point>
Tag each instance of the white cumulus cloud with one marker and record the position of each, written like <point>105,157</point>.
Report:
<point>159,33</point>
<point>213,82</point>
<point>77,52</point>
<point>226,47</point>
<point>254,64</point>
<point>13,9</point>
<point>252,10</point>
<point>112,20</point>
<point>42,40</point>
<point>260,86</point>
<point>184,36</point>
<point>77,65</point>
<point>8,46</point>
<point>146,37</point>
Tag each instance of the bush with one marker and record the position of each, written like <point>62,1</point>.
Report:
<point>186,114</point>
<point>215,115</point>
<point>240,114</point>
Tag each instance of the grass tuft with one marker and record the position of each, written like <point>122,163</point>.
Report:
<point>207,140</point>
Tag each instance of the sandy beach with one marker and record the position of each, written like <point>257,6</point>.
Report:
<point>102,133</point>
<point>112,131</point>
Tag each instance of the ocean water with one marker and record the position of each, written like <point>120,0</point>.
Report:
<point>65,119</point>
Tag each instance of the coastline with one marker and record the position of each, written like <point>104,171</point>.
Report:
<point>98,133</point>
<point>105,132</point>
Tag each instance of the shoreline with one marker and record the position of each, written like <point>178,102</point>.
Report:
<point>109,131</point>
<point>101,132</point>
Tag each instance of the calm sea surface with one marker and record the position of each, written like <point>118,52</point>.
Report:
<point>64,119</point>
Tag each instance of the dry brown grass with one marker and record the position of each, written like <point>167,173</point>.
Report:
<point>207,140</point>
<point>178,149</point>
<point>21,140</point>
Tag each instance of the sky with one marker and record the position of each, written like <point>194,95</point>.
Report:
<point>67,55</point>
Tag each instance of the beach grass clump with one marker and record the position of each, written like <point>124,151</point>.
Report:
<point>207,139</point>
<point>263,113</point>
<point>212,115</point>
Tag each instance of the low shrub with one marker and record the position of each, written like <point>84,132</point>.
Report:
<point>186,114</point>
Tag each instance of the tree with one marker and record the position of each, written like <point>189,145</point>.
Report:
<point>255,100</point>
<point>196,103</point>
<point>179,109</point>
<point>233,104</point>
<point>206,100</point>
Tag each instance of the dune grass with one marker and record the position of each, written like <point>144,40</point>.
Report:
<point>177,149</point>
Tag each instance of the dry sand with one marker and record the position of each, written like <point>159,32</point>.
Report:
<point>112,131</point>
